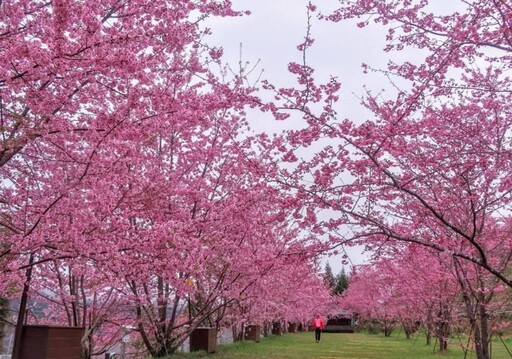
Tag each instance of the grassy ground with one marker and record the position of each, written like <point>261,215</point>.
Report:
<point>342,346</point>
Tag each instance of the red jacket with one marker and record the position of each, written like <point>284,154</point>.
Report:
<point>317,323</point>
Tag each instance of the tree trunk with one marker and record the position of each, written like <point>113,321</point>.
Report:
<point>4,312</point>
<point>409,328</point>
<point>481,333</point>
<point>429,326</point>
<point>16,352</point>
<point>266,329</point>
<point>388,328</point>
<point>238,332</point>
<point>484,327</point>
<point>443,343</point>
<point>443,327</point>
<point>442,335</point>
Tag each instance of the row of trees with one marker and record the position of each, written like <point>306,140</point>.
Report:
<point>131,195</point>
<point>444,298</point>
<point>423,177</point>
<point>127,171</point>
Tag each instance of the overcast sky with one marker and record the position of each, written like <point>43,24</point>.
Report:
<point>274,29</point>
<point>270,35</point>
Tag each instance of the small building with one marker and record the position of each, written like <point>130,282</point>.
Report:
<point>342,322</point>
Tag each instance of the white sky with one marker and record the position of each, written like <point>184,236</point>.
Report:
<point>274,29</point>
<point>270,35</point>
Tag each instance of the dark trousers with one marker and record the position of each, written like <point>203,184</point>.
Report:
<point>318,331</point>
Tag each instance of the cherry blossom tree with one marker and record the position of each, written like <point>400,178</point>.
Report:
<point>131,193</point>
<point>430,165</point>
<point>291,292</point>
<point>74,293</point>
<point>74,74</point>
<point>126,157</point>
<point>120,151</point>
<point>398,291</point>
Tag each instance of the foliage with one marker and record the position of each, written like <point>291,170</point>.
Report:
<point>329,277</point>
<point>342,282</point>
<point>132,193</point>
<point>430,165</point>
<point>337,283</point>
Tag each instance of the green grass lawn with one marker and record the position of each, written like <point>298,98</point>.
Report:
<point>342,346</point>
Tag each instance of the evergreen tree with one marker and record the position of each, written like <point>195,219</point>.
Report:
<point>341,282</point>
<point>329,279</point>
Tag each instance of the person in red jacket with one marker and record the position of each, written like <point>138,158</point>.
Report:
<point>318,324</point>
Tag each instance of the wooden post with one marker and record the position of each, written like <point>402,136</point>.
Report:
<point>203,339</point>
<point>252,332</point>
<point>47,342</point>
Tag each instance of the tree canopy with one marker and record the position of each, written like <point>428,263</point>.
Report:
<point>133,193</point>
